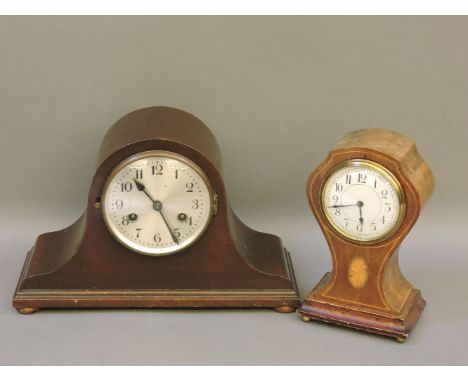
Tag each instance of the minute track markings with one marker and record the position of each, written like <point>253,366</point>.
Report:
<point>172,232</point>
<point>379,209</point>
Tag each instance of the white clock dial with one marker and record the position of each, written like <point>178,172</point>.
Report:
<point>363,201</point>
<point>157,203</point>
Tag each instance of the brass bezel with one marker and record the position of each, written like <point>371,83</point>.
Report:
<point>384,172</point>
<point>166,154</point>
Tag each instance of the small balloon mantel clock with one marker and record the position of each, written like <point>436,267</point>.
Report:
<point>366,197</point>
<point>157,231</point>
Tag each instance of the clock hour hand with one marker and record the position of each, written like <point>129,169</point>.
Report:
<point>141,187</point>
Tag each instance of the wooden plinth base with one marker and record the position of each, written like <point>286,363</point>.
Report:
<point>28,301</point>
<point>397,326</point>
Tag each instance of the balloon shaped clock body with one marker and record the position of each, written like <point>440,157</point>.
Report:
<point>366,196</point>
<point>157,231</point>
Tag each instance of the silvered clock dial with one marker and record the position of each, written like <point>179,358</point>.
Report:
<point>157,203</point>
<point>363,201</point>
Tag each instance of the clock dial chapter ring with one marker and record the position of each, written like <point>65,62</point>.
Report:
<point>145,197</point>
<point>362,201</point>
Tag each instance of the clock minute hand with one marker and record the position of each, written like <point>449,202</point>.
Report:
<point>173,235</point>
<point>342,205</point>
<point>157,206</point>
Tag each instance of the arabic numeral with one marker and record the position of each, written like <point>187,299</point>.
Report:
<point>139,173</point>
<point>126,187</point>
<point>157,170</point>
<point>189,187</point>
<point>157,238</point>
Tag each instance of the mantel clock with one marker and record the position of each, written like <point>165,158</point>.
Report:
<point>366,196</point>
<point>157,231</point>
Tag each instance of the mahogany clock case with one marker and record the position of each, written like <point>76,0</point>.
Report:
<point>388,304</point>
<point>231,265</point>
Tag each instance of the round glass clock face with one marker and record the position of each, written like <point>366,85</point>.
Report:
<point>157,203</point>
<point>363,201</point>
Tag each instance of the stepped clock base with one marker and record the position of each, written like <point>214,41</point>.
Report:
<point>397,325</point>
<point>28,301</point>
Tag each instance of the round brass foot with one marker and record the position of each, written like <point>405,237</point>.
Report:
<point>305,318</point>
<point>401,340</point>
<point>27,310</point>
<point>285,309</point>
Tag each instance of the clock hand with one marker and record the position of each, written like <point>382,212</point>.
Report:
<point>157,206</point>
<point>141,187</point>
<point>360,204</point>
<point>342,205</point>
<point>173,235</point>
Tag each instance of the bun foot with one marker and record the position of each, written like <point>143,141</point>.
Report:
<point>285,309</point>
<point>27,310</point>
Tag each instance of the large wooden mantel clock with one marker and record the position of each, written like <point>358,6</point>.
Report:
<point>366,196</point>
<point>157,231</point>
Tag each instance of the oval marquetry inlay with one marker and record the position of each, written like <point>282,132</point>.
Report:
<point>358,273</point>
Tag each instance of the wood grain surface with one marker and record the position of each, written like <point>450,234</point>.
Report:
<point>386,303</point>
<point>231,265</point>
